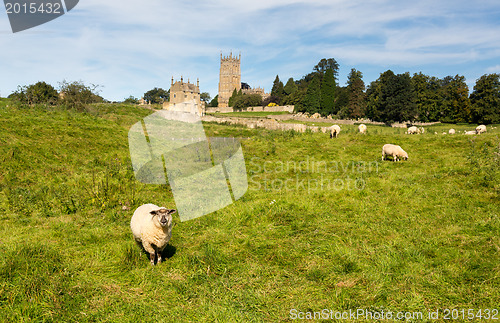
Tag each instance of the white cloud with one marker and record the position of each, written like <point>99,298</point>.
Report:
<point>130,46</point>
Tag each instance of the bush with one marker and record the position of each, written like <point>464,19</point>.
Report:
<point>39,93</point>
<point>76,95</point>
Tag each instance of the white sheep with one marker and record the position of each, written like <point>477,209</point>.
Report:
<point>451,131</point>
<point>362,128</point>
<point>334,131</point>
<point>480,129</point>
<point>152,229</point>
<point>395,151</point>
<point>472,132</point>
<point>413,130</point>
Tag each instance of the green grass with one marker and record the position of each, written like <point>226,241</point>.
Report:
<point>325,224</point>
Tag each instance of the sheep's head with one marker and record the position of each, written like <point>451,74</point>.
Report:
<point>164,216</point>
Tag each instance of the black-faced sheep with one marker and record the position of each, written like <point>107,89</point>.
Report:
<point>480,129</point>
<point>152,229</point>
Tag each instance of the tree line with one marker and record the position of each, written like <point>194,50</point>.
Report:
<point>72,95</point>
<point>392,97</point>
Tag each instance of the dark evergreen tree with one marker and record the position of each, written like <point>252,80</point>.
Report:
<point>290,87</point>
<point>277,90</point>
<point>312,99</point>
<point>356,95</point>
<point>327,93</point>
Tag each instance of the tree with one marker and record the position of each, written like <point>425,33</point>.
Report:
<point>38,93</point>
<point>277,90</point>
<point>356,95</point>
<point>312,99</point>
<point>485,99</point>
<point>327,93</point>
<point>233,98</point>
<point>247,100</point>
<point>427,97</point>
<point>157,96</point>
<point>325,65</point>
<point>205,97</point>
<point>391,98</point>
<point>131,100</point>
<point>290,87</point>
<point>215,102</point>
<point>456,106</point>
<point>76,95</point>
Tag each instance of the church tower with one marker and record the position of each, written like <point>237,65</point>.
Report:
<point>229,78</point>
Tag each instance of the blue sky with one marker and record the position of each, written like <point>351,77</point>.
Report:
<point>129,47</point>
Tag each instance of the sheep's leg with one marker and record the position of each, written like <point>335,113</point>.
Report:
<point>158,253</point>
<point>152,258</point>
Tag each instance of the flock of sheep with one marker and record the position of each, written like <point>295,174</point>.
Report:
<point>396,151</point>
<point>152,225</point>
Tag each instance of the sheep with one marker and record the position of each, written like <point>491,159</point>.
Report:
<point>480,129</point>
<point>362,128</point>
<point>451,131</point>
<point>152,229</point>
<point>472,132</point>
<point>395,151</point>
<point>334,131</point>
<point>413,130</point>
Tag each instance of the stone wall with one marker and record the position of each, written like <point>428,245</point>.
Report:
<point>285,108</point>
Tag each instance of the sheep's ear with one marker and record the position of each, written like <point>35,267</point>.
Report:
<point>154,212</point>
<point>172,211</point>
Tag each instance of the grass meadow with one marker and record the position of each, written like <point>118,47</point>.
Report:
<point>325,224</point>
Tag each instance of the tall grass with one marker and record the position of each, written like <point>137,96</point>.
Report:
<point>324,224</point>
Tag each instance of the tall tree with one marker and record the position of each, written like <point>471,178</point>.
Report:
<point>290,87</point>
<point>325,65</point>
<point>277,90</point>
<point>312,99</point>
<point>327,95</point>
<point>392,98</point>
<point>427,97</point>
<point>456,103</point>
<point>355,89</point>
<point>485,99</point>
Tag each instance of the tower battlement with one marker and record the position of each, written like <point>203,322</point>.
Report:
<point>229,78</point>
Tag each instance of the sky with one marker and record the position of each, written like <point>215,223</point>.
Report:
<point>129,47</point>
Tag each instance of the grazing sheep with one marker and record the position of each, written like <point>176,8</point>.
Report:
<point>334,131</point>
<point>451,131</point>
<point>152,229</point>
<point>362,128</point>
<point>444,132</point>
<point>472,132</point>
<point>395,151</point>
<point>413,130</point>
<point>480,129</point>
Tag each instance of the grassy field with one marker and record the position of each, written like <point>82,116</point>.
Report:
<point>325,224</point>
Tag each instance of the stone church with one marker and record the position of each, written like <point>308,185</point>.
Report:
<point>230,79</point>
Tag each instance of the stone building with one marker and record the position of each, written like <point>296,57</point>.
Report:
<point>229,78</point>
<point>184,97</point>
